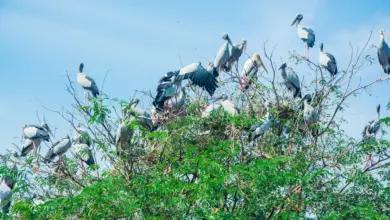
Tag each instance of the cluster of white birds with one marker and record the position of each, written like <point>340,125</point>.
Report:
<point>171,97</point>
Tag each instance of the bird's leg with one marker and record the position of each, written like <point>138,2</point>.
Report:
<point>85,98</point>
<point>60,164</point>
<point>36,157</point>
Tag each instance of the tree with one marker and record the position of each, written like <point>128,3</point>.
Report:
<point>207,167</point>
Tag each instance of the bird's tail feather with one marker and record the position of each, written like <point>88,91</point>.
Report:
<point>90,161</point>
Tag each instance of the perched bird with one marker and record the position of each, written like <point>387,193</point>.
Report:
<point>177,102</point>
<point>384,54</point>
<point>305,33</point>
<point>81,136</point>
<point>165,91</point>
<point>257,130</point>
<point>249,72</point>
<point>372,127</point>
<point>10,178</point>
<point>87,83</point>
<point>34,134</point>
<point>228,105</point>
<point>5,197</point>
<point>327,61</point>
<point>291,80</point>
<point>235,53</point>
<point>84,153</point>
<point>310,114</point>
<point>142,117</point>
<point>124,135</point>
<point>223,54</point>
<point>58,149</point>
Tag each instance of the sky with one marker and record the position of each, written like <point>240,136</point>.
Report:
<point>138,41</point>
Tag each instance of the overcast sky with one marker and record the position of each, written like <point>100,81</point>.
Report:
<point>138,41</point>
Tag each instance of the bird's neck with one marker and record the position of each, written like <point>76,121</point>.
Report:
<point>381,39</point>
<point>284,74</point>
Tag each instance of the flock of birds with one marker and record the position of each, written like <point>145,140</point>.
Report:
<point>171,96</point>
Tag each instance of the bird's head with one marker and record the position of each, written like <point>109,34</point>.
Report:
<point>243,43</point>
<point>297,20</point>
<point>81,67</point>
<point>256,57</point>
<point>378,108</point>
<point>321,46</point>
<point>225,36</point>
<point>283,66</point>
<point>79,128</point>
<point>268,105</point>
<point>134,102</point>
<point>382,33</point>
<point>14,154</point>
<point>307,98</point>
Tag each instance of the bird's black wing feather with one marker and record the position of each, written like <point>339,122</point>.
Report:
<point>26,149</point>
<point>205,80</point>
<point>168,76</point>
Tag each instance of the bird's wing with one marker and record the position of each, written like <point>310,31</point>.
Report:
<point>307,34</point>
<point>164,92</point>
<point>205,80</point>
<point>93,88</point>
<point>50,155</point>
<point>387,53</point>
<point>331,57</point>
<point>62,146</point>
<point>187,71</point>
<point>379,53</point>
<point>365,130</point>
<point>199,76</point>
<point>90,79</point>
<point>374,127</point>
<point>293,78</point>
<point>30,132</point>
<point>33,132</point>
<point>250,68</point>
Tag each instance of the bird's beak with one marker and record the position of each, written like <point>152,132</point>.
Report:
<point>262,64</point>
<point>215,98</point>
<point>48,130</point>
<point>295,20</point>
